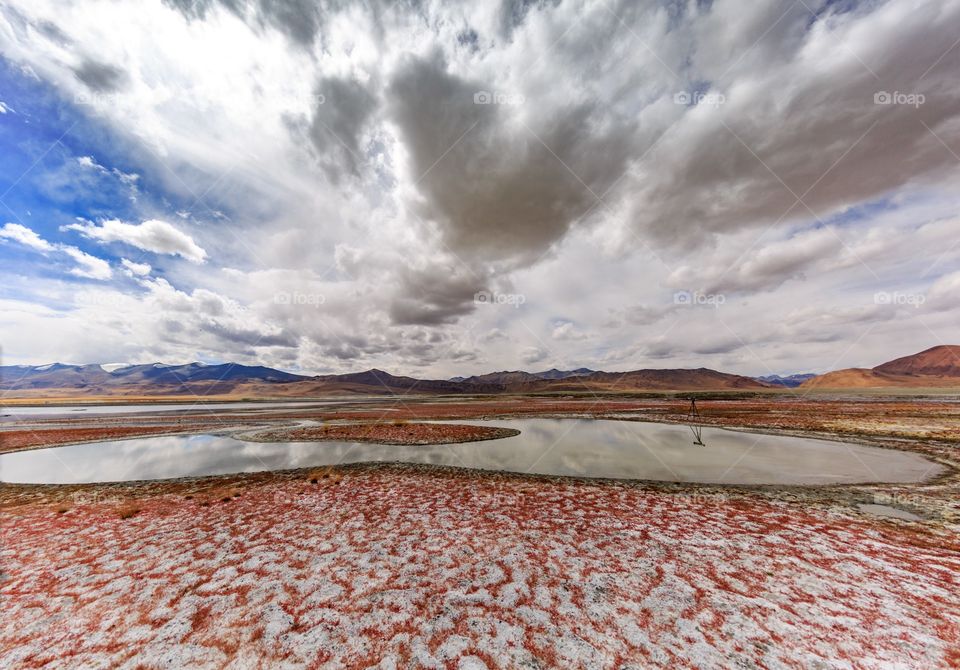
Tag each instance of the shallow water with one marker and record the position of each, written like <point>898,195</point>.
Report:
<point>577,447</point>
<point>15,412</point>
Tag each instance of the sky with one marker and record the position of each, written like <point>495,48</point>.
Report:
<point>451,188</point>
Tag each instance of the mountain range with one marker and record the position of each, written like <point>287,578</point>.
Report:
<point>233,379</point>
<point>935,367</point>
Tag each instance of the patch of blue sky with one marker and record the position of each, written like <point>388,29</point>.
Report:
<point>61,163</point>
<point>42,181</point>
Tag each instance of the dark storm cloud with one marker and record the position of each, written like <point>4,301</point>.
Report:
<point>248,336</point>
<point>53,31</point>
<point>514,12</point>
<point>435,295</point>
<point>339,119</point>
<point>100,77</point>
<point>498,189</point>
<point>197,9</point>
<point>300,20</point>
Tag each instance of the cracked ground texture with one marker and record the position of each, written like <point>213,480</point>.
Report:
<point>411,567</point>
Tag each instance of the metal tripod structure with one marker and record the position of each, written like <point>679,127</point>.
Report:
<point>695,423</point>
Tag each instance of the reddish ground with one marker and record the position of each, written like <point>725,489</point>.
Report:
<point>401,567</point>
<point>384,433</point>
<point>410,567</point>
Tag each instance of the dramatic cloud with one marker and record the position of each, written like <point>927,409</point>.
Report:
<point>157,236</point>
<point>811,131</point>
<point>342,111</point>
<point>434,295</point>
<point>448,188</point>
<point>498,188</point>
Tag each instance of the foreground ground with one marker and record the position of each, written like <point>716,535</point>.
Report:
<point>403,566</point>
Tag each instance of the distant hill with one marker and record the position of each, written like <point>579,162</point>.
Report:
<point>504,378</point>
<point>663,380</point>
<point>149,379</point>
<point>564,374</point>
<point>521,377</point>
<point>379,382</point>
<point>937,367</point>
<point>790,381</point>
<point>156,379</point>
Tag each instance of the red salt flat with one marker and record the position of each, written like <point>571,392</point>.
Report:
<point>405,567</point>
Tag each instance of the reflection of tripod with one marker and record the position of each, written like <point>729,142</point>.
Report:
<point>694,418</point>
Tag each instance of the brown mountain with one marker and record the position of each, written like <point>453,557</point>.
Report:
<point>937,367</point>
<point>942,361</point>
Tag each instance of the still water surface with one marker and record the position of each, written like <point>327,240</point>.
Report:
<point>573,447</point>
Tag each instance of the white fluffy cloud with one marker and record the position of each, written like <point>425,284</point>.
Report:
<point>157,236</point>
<point>88,266</point>
<point>137,269</point>
<point>25,236</point>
